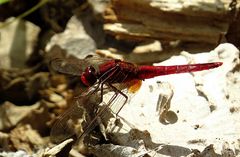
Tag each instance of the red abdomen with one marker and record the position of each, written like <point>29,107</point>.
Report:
<point>145,72</point>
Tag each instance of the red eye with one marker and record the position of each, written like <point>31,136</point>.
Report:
<point>89,76</point>
<point>91,70</point>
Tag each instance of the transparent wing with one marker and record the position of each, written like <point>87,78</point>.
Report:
<point>82,117</point>
<point>74,66</point>
<point>72,122</point>
<point>66,125</point>
<point>71,66</point>
<point>102,113</point>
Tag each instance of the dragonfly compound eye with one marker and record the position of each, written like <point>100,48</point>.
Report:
<point>89,76</point>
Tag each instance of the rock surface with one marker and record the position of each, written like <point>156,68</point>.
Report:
<point>168,20</point>
<point>203,112</point>
<point>17,43</point>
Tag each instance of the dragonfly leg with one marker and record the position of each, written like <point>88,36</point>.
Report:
<point>119,92</point>
<point>115,74</point>
<point>100,86</point>
<point>101,81</point>
<point>105,80</point>
<point>99,113</point>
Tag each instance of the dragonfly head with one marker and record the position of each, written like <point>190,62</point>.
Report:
<point>89,76</point>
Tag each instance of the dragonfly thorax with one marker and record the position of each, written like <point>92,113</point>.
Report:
<point>89,77</point>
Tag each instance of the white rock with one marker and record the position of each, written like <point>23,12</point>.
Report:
<point>197,125</point>
<point>74,39</point>
<point>19,153</point>
<point>17,42</point>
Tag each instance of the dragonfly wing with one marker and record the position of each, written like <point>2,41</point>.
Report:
<point>72,123</point>
<point>68,66</point>
<point>65,125</point>
<point>74,66</point>
<point>113,104</point>
<point>62,128</point>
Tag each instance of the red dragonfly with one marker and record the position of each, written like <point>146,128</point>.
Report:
<point>101,74</point>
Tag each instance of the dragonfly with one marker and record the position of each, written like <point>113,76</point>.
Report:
<point>99,75</point>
